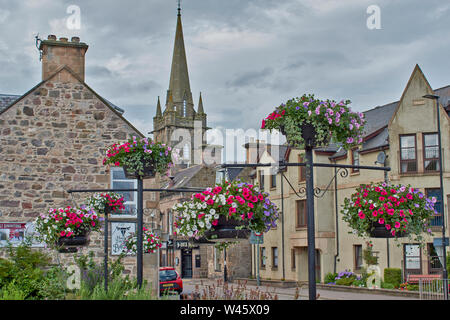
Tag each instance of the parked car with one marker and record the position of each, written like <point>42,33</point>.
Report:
<point>169,280</point>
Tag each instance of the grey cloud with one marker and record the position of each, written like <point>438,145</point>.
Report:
<point>256,78</point>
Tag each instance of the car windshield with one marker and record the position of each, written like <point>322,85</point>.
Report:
<point>167,275</point>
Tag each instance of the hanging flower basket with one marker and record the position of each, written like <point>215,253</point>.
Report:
<point>228,211</point>
<point>67,226</point>
<point>150,242</point>
<point>386,211</point>
<point>148,171</point>
<point>228,229</point>
<point>140,157</point>
<point>106,202</point>
<point>310,122</point>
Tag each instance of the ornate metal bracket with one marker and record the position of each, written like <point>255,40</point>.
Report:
<point>318,193</point>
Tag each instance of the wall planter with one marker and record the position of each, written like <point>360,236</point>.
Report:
<point>140,157</point>
<point>227,212</point>
<point>388,211</point>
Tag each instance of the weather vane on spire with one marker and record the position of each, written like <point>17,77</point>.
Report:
<point>179,7</point>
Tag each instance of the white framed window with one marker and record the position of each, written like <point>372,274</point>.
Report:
<point>119,181</point>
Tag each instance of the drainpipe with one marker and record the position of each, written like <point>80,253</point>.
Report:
<point>337,216</point>
<point>282,225</point>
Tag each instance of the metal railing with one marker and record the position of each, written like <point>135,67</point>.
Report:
<point>433,289</point>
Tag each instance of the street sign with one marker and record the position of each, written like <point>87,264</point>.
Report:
<point>256,239</point>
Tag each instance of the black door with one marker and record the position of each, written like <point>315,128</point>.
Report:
<point>186,263</point>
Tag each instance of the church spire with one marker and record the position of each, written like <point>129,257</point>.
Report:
<point>158,109</point>
<point>179,85</point>
<point>200,105</point>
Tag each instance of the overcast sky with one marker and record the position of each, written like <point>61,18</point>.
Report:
<point>246,57</point>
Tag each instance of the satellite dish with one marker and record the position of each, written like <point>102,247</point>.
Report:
<point>381,158</point>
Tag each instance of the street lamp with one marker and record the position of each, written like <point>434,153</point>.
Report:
<point>444,258</point>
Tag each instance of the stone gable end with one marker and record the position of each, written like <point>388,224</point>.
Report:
<point>54,139</point>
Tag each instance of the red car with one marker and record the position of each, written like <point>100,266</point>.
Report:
<point>169,279</point>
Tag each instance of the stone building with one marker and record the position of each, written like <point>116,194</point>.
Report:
<point>53,138</point>
<point>405,132</point>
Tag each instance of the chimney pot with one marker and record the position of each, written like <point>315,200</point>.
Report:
<point>51,37</point>
<point>63,39</point>
<point>75,39</point>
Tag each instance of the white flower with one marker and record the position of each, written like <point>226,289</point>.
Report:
<point>216,216</point>
<point>234,205</point>
<point>212,211</point>
<point>190,233</point>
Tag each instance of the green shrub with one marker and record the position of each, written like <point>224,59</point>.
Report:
<point>386,285</point>
<point>12,292</point>
<point>345,281</point>
<point>330,277</point>
<point>393,276</point>
<point>27,274</point>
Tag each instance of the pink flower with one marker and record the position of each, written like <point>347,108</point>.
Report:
<point>381,221</point>
<point>397,224</point>
<point>215,222</point>
<point>361,215</point>
<point>250,205</point>
<point>210,202</point>
<point>250,215</point>
<point>388,226</point>
<point>390,212</point>
<point>231,210</point>
<point>63,233</point>
<point>375,213</point>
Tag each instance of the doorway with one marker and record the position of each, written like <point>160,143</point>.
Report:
<point>186,263</point>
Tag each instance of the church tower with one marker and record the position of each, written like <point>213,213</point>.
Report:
<point>180,125</point>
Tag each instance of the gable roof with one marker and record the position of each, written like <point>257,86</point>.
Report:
<point>377,119</point>
<point>118,111</point>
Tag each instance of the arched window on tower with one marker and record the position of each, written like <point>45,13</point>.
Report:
<point>184,108</point>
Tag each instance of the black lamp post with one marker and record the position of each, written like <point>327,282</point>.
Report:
<point>444,257</point>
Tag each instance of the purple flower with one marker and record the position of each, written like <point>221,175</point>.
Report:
<point>349,140</point>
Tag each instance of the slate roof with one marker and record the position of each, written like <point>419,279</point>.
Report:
<point>7,99</point>
<point>183,177</point>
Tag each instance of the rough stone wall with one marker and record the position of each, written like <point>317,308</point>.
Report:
<point>52,140</point>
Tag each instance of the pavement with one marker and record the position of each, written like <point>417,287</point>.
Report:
<point>212,287</point>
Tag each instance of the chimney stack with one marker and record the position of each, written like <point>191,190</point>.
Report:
<point>57,53</point>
